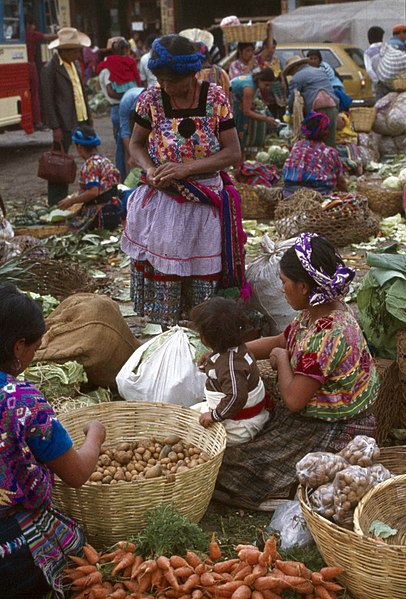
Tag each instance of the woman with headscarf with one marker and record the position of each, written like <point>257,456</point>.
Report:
<point>316,61</point>
<point>183,229</point>
<point>326,376</point>
<point>311,163</point>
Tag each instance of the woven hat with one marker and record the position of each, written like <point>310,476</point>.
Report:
<point>69,37</point>
<point>294,61</point>
<point>112,40</point>
<point>399,28</point>
<point>198,35</point>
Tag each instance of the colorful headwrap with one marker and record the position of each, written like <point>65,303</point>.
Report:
<point>183,64</point>
<point>328,288</point>
<point>78,137</point>
<point>314,125</point>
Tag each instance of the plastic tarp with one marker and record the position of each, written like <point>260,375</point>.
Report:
<point>345,23</point>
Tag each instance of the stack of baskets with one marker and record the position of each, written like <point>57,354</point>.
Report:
<point>109,513</point>
<point>257,201</point>
<point>385,202</point>
<point>371,569</point>
<point>244,33</point>
<point>362,118</point>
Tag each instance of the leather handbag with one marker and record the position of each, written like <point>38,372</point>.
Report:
<point>56,166</point>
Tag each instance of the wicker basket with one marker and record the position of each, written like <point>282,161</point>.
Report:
<point>42,231</point>
<point>385,502</point>
<point>386,202</point>
<point>245,33</point>
<point>399,85</point>
<point>362,118</point>
<point>110,513</point>
<point>257,201</point>
<point>370,569</point>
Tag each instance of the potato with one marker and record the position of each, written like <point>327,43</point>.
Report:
<point>146,455</point>
<point>96,477</point>
<point>153,472</point>
<point>105,460</point>
<point>124,447</point>
<point>107,480</point>
<point>123,457</point>
<point>171,440</point>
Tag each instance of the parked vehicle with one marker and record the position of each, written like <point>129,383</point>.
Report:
<point>347,60</point>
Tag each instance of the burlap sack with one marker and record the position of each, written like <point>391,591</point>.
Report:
<point>89,328</point>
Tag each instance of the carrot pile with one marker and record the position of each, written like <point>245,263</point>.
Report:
<point>254,574</point>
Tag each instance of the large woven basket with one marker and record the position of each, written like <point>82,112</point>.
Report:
<point>362,118</point>
<point>385,502</point>
<point>109,513</point>
<point>302,212</point>
<point>42,231</point>
<point>386,202</point>
<point>244,33</point>
<point>370,569</point>
<point>257,201</point>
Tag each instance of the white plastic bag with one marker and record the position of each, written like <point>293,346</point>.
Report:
<point>289,521</point>
<point>163,370</point>
<point>263,276</point>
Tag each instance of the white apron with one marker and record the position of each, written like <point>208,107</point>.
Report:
<point>238,431</point>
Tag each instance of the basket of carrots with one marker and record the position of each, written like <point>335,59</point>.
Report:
<point>370,568</point>
<point>153,454</point>
<point>123,572</point>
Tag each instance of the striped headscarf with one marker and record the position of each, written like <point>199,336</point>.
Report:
<point>314,125</point>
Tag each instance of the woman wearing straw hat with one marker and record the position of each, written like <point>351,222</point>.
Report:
<point>65,99</point>
<point>316,90</point>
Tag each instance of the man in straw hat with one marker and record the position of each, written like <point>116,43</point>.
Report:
<point>316,90</point>
<point>65,99</point>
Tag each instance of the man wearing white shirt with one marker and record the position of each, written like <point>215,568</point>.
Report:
<point>371,54</point>
<point>147,78</point>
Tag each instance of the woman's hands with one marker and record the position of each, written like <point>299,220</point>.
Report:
<point>206,419</point>
<point>96,430</point>
<point>165,173</point>
<point>276,355</point>
<point>67,202</point>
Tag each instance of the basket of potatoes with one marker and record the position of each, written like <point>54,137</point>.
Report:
<point>153,454</point>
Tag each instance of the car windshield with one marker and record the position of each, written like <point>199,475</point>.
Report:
<point>357,56</point>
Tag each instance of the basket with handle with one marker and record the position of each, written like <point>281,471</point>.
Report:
<point>370,568</point>
<point>386,503</point>
<point>362,118</point>
<point>109,513</point>
<point>382,201</point>
<point>245,33</point>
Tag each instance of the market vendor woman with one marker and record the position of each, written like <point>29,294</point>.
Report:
<point>35,538</point>
<point>326,375</point>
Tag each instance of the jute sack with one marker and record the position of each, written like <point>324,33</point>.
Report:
<point>89,328</point>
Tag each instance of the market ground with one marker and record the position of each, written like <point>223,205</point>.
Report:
<point>19,156</point>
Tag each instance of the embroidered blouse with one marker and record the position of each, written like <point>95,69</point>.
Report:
<point>333,350</point>
<point>98,171</point>
<point>183,135</point>
<point>30,434</point>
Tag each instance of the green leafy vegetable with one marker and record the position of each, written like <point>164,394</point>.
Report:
<point>168,532</point>
<point>381,530</point>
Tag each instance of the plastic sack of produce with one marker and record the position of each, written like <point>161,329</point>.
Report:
<point>288,520</point>
<point>319,467</point>
<point>164,370</point>
<point>263,276</point>
<point>361,451</point>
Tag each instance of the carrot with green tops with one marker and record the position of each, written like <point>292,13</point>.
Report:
<point>79,561</point>
<point>330,572</point>
<point>193,559</point>
<point>127,560</point>
<point>91,554</point>
<point>226,566</point>
<point>177,561</point>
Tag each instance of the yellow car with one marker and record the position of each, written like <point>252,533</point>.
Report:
<point>347,60</point>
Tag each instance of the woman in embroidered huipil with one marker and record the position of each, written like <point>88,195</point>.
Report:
<point>35,538</point>
<point>183,230</point>
<point>326,376</point>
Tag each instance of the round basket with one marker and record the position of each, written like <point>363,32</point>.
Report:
<point>257,201</point>
<point>385,502</point>
<point>386,202</point>
<point>399,85</point>
<point>362,118</point>
<point>109,513</point>
<point>370,568</point>
<point>244,33</point>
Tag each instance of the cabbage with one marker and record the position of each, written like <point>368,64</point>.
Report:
<point>392,183</point>
<point>402,176</point>
<point>262,157</point>
<point>277,155</point>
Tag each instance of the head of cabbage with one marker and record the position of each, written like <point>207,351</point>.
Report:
<point>393,183</point>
